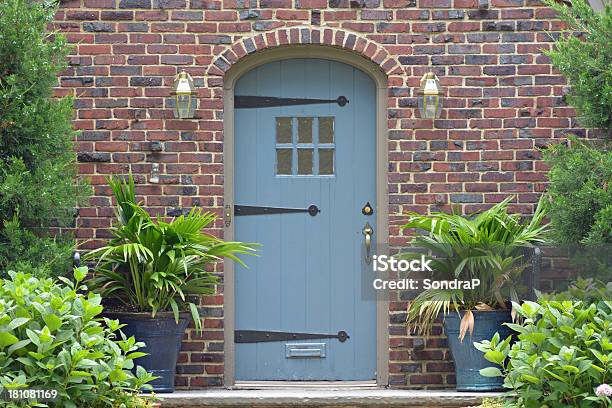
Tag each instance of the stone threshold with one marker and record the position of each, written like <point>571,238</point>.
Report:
<point>324,397</point>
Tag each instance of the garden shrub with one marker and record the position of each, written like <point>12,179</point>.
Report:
<point>562,354</point>
<point>586,60</point>
<point>491,403</point>
<point>38,187</point>
<point>580,193</point>
<point>51,337</point>
<point>587,290</point>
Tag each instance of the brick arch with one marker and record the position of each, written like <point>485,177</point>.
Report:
<point>302,35</point>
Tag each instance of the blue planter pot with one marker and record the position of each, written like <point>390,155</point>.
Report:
<point>162,336</point>
<point>468,360</point>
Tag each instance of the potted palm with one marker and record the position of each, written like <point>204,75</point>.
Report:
<point>152,268</point>
<point>489,247</point>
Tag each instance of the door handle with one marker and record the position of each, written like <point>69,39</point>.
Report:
<point>367,235</point>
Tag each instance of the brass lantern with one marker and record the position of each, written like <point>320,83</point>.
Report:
<point>430,96</point>
<point>184,100</point>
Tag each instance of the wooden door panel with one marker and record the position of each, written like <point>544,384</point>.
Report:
<point>307,277</point>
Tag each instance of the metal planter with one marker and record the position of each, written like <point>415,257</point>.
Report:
<point>162,336</point>
<point>468,360</point>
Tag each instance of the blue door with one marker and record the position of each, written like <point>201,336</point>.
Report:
<point>305,178</point>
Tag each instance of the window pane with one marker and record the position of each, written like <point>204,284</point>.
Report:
<point>283,161</point>
<point>283,130</point>
<point>304,161</point>
<point>326,161</point>
<point>326,130</point>
<point>304,130</point>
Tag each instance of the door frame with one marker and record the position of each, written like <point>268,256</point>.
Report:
<point>382,196</point>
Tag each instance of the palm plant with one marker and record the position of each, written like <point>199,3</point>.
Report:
<point>486,246</point>
<point>155,265</point>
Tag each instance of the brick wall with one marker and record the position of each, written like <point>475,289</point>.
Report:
<point>503,102</point>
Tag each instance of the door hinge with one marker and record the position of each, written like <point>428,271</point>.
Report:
<point>250,101</point>
<point>262,336</point>
<point>240,210</point>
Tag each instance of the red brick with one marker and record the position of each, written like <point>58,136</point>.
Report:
<point>151,15</point>
<point>465,4</point>
<point>429,27</point>
<point>502,100</point>
<point>310,4</point>
<point>435,3</point>
<point>85,49</point>
<point>397,3</point>
<point>292,14</point>
<point>464,26</point>
<point>211,15</point>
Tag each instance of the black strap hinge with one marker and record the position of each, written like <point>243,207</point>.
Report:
<point>262,336</point>
<point>249,101</point>
<point>258,210</point>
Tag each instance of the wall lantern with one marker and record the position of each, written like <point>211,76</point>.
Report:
<point>430,96</point>
<point>184,101</point>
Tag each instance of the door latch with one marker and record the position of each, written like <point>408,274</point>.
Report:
<point>227,216</point>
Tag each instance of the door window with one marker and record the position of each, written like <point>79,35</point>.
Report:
<point>305,146</point>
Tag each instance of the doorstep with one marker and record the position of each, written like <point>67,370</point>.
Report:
<point>323,397</point>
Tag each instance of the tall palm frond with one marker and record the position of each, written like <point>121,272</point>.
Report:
<point>125,195</point>
<point>155,265</point>
<point>485,246</point>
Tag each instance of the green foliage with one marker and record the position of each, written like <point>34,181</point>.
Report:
<point>580,193</point>
<point>51,337</point>
<point>586,61</point>
<point>586,290</point>
<point>50,253</point>
<point>493,403</point>
<point>155,265</point>
<point>38,187</point>
<point>563,352</point>
<point>485,247</point>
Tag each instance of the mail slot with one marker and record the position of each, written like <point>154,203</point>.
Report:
<point>305,350</point>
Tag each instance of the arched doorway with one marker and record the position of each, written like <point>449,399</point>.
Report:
<point>305,133</point>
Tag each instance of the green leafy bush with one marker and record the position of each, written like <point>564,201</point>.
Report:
<point>587,290</point>
<point>492,403</point>
<point>562,354</point>
<point>154,265</point>
<point>586,61</point>
<point>580,193</point>
<point>51,337</point>
<point>38,186</point>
